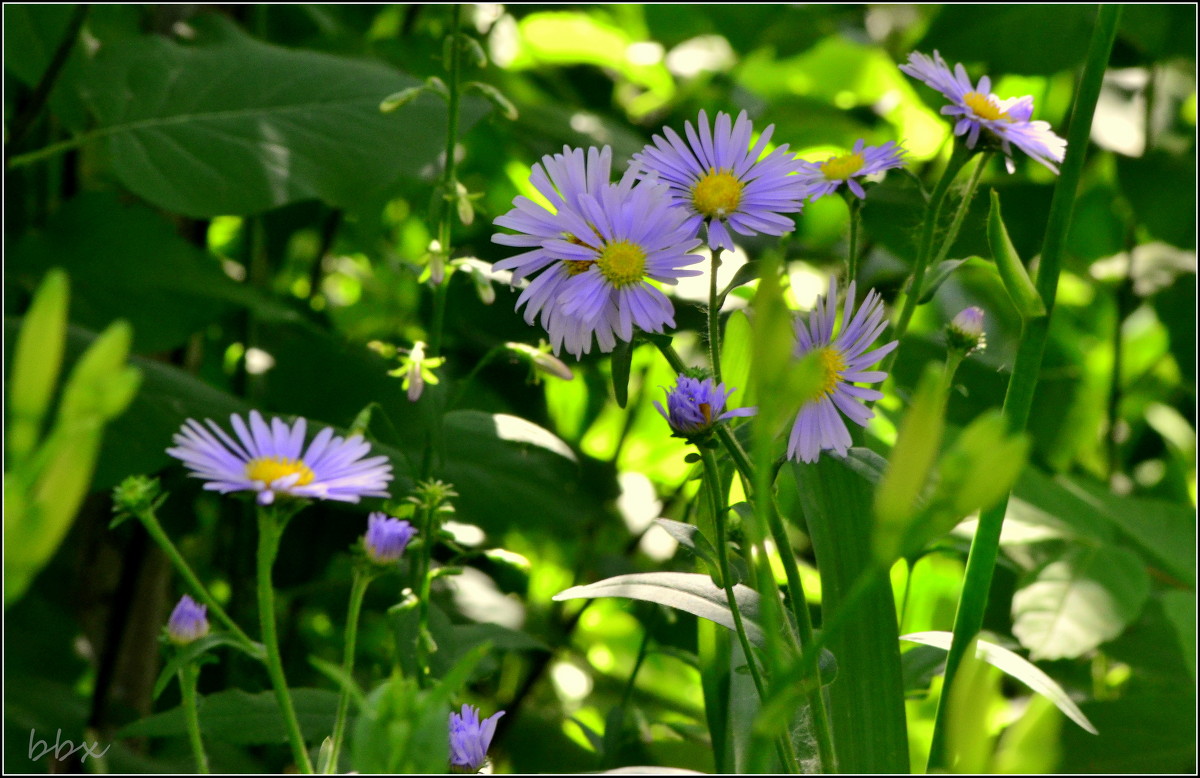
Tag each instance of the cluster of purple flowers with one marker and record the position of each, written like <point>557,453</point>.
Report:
<point>596,258</point>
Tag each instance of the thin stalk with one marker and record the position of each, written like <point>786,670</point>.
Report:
<point>964,205</point>
<point>423,587</point>
<point>933,213</point>
<point>714,317</point>
<point>45,85</point>
<point>358,588</point>
<point>712,480</point>
<point>449,184</point>
<point>187,690</point>
<point>270,531</point>
<point>855,206</point>
<point>150,522</point>
<point>981,561</point>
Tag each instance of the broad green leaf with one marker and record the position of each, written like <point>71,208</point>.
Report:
<point>236,716</point>
<point>1144,734</point>
<point>866,702</point>
<point>1180,608</point>
<point>1076,602</point>
<point>735,356</point>
<point>1012,272</point>
<point>1016,666</point>
<point>129,262</point>
<point>237,126</point>
<point>1166,531</point>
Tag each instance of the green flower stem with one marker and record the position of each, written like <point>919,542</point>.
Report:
<point>358,588</point>
<point>425,531</point>
<point>714,317</point>
<point>717,505</point>
<point>964,205</point>
<point>855,206</point>
<point>981,561</point>
<point>449,184</point>
<point>270,531</point>
<point>933,213</point>
<point>150,522</point>
<point>187,690</point>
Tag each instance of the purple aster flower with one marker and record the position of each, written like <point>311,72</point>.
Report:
<point>822,178</point>
<point>470,738</point>
<point>717,178</point>
<point>267,460</point>
<point>188,622</point>
<point>844,359</point>
<point>1006,122</point>
<point>694,406</point>
<point>386,538</point>
<point>562,179</point>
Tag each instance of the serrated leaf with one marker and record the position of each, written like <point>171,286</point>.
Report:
<point>1014,665</point>
<point>1074,603</point>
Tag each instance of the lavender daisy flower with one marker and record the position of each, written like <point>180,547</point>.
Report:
<point>562,179</point>
<point>844,359</point>
<point>718,179</point>
<point>823,178</point>
<point>470,738</point>
<point>386,538</point>
<point>1006,122</point>
<point>623,238</point>
<point>188,622</point>
<point>267,460</point>
<point>694,406</point>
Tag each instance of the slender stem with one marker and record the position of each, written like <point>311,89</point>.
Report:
<point>270,531</point>
<point>187,690</point>
<point>716,503</point>
<point>150,522</point>
<point>358,588</point>
<point>425,531</point>
<point>964,205</point>
<point>714,317</point>
<point>933,212</point>
<point>816,699</point>
<point>981,561</point>
<point>449,184</point>
<point>45,84</point>
<point>855,227</point>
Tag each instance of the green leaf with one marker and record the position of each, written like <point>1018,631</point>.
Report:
<point>1012,272</point>
<point>1180,608</point>
<point>1016,666</point>
<point>236,716</point>
<point>622,358</point>
<point>940,274</point>
<point>690,537</point>
<point>1144,734</point>
<point>690,592</point>
<point>193,651</point>
<point>237,126</point>
<point>866,704</point>
<point>1079,600</point>
<point>128,262</point>
<point>36,365</point>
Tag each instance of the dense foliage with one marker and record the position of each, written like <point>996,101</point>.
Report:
<point>223,210</point>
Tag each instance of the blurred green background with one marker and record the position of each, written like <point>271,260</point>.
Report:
<point>227,185</point>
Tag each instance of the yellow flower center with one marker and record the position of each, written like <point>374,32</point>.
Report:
<point>832,364</point>
<point>983,107</point>
<point>717,193</point>
<point>271,469</point>
<point>622,263</point>
<point>841,168</point>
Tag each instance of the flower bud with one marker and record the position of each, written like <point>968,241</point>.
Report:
<point>965,333</point>
<point>386,538</point>
<point>188,623</point>
<point>694,406</point>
